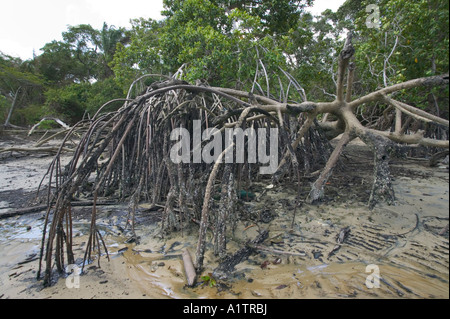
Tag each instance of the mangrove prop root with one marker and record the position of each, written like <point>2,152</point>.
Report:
<point>127,153</point>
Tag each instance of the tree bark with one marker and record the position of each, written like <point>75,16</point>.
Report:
<point>189,268</point>
<point>382,189</point>
<point>13,105</point>
<point>317,189</point>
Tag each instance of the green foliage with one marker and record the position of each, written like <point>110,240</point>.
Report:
<point>13,75</point>
<point>19,86</point>
<point>101,92</point>
<point>4,106</point>
<point>230,43</point>
<point>83,55</point>
<point>213,43</point>
<point>412,42</point>
<point>209,280</point>
<point>72,102</point>
<point>58,82</point>
<point>33,114</point>
<point>141,56</point>
<point>69,101</point>
<point>278,16</point>
<point>60,66</point>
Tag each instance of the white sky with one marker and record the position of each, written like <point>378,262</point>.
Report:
<point>321,5</point>
<point>27,25</point>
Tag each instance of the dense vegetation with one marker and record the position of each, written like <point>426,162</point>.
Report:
<point>229,44</point>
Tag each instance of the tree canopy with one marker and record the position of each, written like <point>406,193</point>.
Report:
<point>230,43</point>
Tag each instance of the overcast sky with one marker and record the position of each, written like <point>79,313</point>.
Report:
<point>27,25</point>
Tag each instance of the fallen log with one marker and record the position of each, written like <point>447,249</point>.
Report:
<point>50,149</point>
<point>226,267</point>
<point>189,268</point>
<point>35,209</point>
<point>23,211</point>
<point>64,125</point>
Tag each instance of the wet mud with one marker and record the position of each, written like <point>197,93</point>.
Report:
<point>396,251</point>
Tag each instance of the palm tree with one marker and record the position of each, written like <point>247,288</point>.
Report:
<point>109,37</point>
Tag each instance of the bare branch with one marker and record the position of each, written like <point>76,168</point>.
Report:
<point>318,187</point>
<point>415,112</point>
<point>351,74</point>
<point>378,95</point>
<point>344,58</point>
<point>386,60</point>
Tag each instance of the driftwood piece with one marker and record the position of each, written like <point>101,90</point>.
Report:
<point>64,125</point>
<point>35,209</point>
<point>189,268</point>
<point>50,149</point>
<point>227,266</point>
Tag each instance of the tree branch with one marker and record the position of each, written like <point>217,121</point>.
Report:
<point>378,95</point>
<point>415,112</point>
<point>344,59</point>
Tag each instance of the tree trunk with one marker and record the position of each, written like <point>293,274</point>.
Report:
<point>225,209</point>
<point>8,118</point>
<point>382,189</point>
<point>317,189</point>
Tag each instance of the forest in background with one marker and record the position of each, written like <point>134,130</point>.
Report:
<point>230,44</point>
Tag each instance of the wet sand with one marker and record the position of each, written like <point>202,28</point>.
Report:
<point>402,242</point>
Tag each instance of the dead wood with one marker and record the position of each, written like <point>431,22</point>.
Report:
<point>189,268</point>
<point>49,149</point>
<point>23,211</point>
<point>41,208</point>
<point>61,123</point>
<point>317,189</point>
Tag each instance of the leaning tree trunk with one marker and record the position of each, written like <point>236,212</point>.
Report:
<point>13,105</point>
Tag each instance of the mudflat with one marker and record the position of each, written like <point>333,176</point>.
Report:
<point>398,251</point>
